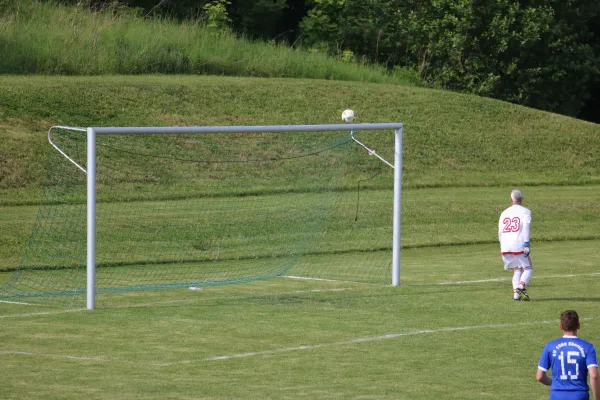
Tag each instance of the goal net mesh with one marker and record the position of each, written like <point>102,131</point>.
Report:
<point>179,210</point>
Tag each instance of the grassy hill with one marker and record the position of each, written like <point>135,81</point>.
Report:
<point>450,139</point>
<point>467,151</point>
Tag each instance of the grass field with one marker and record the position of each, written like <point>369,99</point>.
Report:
<point>431,218</point>
<point>450,331</point>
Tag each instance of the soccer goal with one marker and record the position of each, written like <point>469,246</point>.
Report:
<point>136,208</point>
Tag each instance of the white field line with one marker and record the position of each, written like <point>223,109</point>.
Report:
<point>287,349</point>
<point>311,279</point>
<point>306,278</point>
<point>371,339</point>
<point>446,282</point>
<point>367,339</point>
<point>42,313</point>
<point>241,297</point>
<point>16,302</point>
<point>195,300</point>
<point>79,358</point>
<point>510,278</point>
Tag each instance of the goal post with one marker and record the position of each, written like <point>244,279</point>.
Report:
<point>91,177</point>
<point>141,208</point>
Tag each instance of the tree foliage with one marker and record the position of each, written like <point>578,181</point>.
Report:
<point>538,53</point>
<point>264,19</point>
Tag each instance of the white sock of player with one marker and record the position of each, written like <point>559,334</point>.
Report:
<point>515,281</point>
<point>526,277</point>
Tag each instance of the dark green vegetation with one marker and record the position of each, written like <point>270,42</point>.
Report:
<point>542,54</point>
<point>38,38</point>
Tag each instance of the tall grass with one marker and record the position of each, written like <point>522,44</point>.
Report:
<point>41,38</point>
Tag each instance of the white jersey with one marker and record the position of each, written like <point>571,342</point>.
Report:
<point>513,229</point>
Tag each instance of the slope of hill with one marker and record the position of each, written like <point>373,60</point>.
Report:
<point>450,139</point>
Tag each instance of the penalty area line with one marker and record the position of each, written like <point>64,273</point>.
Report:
<point>103,359</point>
<point>373,339</point>
<point>16,302</point>
<point>306,278</point>
<point>42,313</point>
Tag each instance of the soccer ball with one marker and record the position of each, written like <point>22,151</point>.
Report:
<point>348,116</point>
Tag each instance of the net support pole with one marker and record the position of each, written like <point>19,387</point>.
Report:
<point>397,207</point>
<point>91,218</point>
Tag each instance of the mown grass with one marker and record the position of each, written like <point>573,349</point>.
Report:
<point>431,217</point>
<point>432,338</point>
<point>43,38</point>
<point>450,139</point>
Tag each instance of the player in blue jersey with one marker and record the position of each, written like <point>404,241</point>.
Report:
<point>571,360</point>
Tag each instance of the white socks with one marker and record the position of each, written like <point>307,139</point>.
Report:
<point>526,277</point>
<point>516,280</point>
<point>521,279</point>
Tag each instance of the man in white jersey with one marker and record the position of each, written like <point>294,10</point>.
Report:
<point>513,234</point>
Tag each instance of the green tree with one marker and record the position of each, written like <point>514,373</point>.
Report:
<point>258,18</point>
<point>215,14</point>
<point>265,19</point>
<point>361,26</point>
<point>540,53</point>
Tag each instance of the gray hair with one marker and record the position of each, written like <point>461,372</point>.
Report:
<point>516,195</point>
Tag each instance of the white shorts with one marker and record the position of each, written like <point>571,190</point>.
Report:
<point>512,261</point>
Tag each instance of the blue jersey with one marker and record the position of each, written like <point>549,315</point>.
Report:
<point>569,358</point>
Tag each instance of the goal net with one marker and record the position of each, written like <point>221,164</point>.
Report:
<point>178,208</point>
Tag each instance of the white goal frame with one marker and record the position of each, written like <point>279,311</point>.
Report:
<point>90,172</point>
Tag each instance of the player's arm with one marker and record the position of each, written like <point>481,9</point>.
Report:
<point>545,379</point>
<point>594,381</point>
<point>526,231</point>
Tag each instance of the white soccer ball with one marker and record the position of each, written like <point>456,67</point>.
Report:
<point>348,116</point>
